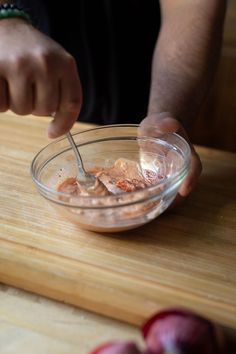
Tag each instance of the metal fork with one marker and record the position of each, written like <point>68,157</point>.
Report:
<point>83,177</point>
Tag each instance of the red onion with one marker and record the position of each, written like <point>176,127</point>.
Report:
<point>117,348</point>
<point>178,331</point>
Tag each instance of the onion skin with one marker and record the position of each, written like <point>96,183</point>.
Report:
<point>117,348</point>
<point>180,331</point>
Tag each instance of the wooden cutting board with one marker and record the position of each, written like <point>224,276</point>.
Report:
<point>186,257</point>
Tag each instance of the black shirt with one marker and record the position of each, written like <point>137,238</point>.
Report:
<point>113,42</point>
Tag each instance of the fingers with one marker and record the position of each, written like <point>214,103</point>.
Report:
<point>190,181</point>
<point>69,105</point>
<point>40,78</point>
<point>156,125</point>
<point>20,95</point>
<point>193,175</point>
<point>26,96</point>
<point>44,90</point>
<point>3,95</point>
<point>46,96</point>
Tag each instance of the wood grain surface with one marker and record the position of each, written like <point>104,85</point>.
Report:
<point>186,257</point>
<point>32,324</point>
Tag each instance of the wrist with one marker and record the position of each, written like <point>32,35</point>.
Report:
<point>9,10</point>
<point>182,112</point>
<point>159,116</point>
<point>12,23</point>
<point>186,120</point>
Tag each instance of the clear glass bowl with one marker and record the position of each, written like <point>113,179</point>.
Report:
<point>168,156</point>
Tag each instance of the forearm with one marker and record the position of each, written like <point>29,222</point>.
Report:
<point>186,56</point>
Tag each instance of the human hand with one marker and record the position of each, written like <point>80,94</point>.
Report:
<point>37,76</point>
<point>156,124</point>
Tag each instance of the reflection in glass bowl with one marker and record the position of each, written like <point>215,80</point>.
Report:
<point>166,157</point>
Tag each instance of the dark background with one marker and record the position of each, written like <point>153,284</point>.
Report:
<point>216,125</point>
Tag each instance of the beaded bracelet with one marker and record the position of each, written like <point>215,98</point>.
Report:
<point>12,10</point>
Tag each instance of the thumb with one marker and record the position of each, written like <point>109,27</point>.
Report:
<point>157,124</point>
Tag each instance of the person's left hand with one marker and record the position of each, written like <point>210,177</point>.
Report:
<point>156,124</point>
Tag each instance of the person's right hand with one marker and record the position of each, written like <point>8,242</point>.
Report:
<point>37,76</point>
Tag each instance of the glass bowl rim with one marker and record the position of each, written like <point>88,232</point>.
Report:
<point>174,178</point>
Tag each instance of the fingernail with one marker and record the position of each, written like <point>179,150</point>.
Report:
<point>52,131</point>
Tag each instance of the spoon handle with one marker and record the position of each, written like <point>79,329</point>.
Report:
<point>77,154</point>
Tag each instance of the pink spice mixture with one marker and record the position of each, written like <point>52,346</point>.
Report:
<point>124,176</point>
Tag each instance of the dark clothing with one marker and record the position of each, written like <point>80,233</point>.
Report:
<point>113,42</point>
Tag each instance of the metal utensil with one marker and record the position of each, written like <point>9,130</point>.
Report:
<point>83,177</point>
